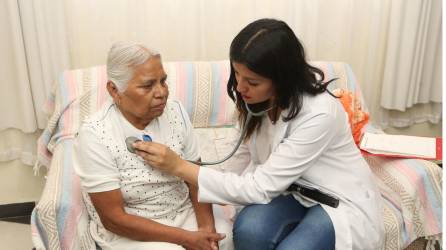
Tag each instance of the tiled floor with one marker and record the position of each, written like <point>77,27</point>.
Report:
<point>15,236</point>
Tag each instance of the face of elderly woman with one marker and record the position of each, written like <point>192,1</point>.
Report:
<point>146,93</point>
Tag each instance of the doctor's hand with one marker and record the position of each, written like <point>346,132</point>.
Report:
<point>159,156</point>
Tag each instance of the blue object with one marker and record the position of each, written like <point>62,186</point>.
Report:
<point>146,138</point>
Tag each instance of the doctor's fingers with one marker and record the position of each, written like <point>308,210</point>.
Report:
<point>151,159</point>
<point>161,157</point>
<point>150,147</point>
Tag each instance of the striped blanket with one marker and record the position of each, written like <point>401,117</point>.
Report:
<point>411,188</point>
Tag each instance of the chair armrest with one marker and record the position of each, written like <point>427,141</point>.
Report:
<point>411,189</point>
<point>60,218</point>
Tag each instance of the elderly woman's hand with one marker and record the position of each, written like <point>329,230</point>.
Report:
<point>159,156</point>
<point>199,240</point>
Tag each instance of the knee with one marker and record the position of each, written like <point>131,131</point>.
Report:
<point>248,227</point>
<point>323,224</point>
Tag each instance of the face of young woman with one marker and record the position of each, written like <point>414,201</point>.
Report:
<point>253,87</point>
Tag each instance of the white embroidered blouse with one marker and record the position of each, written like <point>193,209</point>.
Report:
<point>103,163</point>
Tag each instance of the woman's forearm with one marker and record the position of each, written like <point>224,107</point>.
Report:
<point>110,208</point>
<point>188,172</point>
<point>142,229</point>
<point>203,211</point>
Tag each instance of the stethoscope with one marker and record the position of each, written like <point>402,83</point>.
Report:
<point>130,140</point>
<point>308,192</point>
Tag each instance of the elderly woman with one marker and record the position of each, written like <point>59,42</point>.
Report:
<point>131,204</point>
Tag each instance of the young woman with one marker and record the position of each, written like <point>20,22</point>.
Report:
<point>304,140</point>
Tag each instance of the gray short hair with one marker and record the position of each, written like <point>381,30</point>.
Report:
<point>122,58</point>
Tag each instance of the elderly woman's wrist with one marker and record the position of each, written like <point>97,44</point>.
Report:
<point>207,227</point>
<point>184,238</point>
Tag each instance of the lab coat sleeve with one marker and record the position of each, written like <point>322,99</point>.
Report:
<point>296,153</point>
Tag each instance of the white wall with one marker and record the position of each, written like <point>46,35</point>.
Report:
<point>422,129</point>
<point>18,183</point>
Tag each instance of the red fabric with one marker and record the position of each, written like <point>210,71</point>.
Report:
<point>357,117</point>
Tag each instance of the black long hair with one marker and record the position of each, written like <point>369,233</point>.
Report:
<point>270,48</point>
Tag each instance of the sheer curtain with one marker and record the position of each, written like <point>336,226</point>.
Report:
<point>34,51</point>
<point>391,44</point>
<point>413,61</point>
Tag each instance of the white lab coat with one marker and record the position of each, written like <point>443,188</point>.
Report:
<point>316,149</point>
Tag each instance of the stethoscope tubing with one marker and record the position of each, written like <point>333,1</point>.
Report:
<point>242,136</point>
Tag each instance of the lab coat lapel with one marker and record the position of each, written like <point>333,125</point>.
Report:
<point>280,133</point>
<point>281,129</point>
